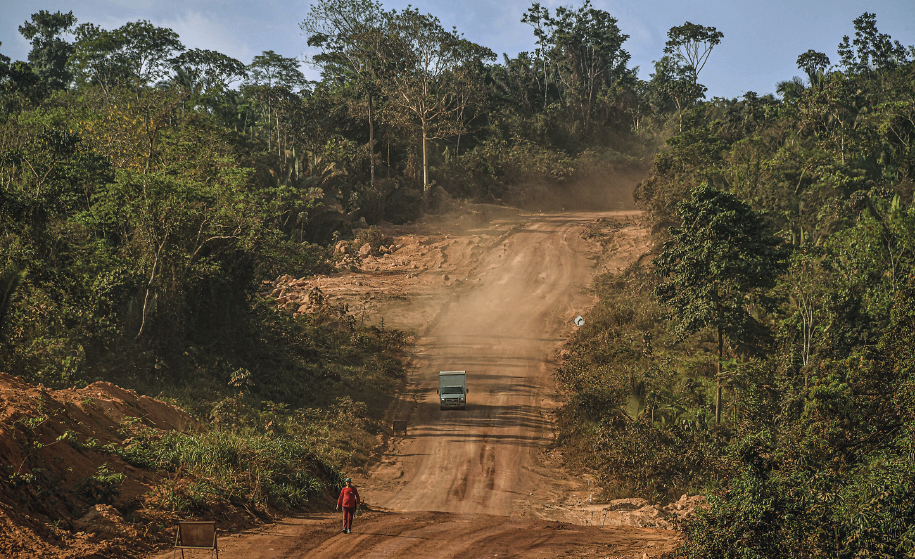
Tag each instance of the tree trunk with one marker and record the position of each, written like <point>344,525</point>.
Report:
<point>546,80</point>
<point>149,288</point>
<point>718,377</point>
<point>426,186</point>
<point>372,139</point>
<point>279,147</point>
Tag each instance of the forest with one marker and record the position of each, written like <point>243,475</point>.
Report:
<point>764,358</point>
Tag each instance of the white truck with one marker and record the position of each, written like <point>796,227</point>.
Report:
<point>452,389</point>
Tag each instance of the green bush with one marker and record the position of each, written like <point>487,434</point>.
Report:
<point>639,403</point>
<point>102,487</point>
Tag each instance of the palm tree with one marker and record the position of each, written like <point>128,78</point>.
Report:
<point>790,89</point>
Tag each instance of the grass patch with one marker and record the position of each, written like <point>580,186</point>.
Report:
<point>229,467</point>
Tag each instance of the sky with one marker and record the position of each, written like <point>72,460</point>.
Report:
<point>762,38</point>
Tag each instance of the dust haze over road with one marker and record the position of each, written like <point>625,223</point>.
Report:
<point>496,302</point>
<point>502,330</point>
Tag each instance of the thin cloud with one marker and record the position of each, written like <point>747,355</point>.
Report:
<point>204,32</point>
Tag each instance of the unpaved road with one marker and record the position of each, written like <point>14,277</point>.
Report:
<point>481,482</point>
<point>503,329</point>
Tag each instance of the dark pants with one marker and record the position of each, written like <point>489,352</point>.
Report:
<point>348,513</point>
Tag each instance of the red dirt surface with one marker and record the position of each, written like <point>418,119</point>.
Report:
<point>40,511</point>
<point>440,535</point>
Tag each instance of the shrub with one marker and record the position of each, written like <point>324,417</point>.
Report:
<point>103,487</point>
<point>235,467</point>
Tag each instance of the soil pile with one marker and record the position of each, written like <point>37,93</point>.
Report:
<point>644,514</point>
<point>405,279</point>
<point>57,463</point>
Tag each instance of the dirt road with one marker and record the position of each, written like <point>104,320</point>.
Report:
<point>481,482</point>
<point>503,329</point>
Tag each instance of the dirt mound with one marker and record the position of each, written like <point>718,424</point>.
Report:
<point>422,261</point>
<point>643,514</point>
<point>56,460</point>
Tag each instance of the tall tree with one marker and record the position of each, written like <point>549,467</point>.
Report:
<point>350,34</point>
<point>50,52</point>
<point>720,255</point>
<point>273,76</point>
<point>209,71</point>
<point>813,64</point>
<point>426,82</point>
<point>870,50</point>
<point>588,48</point>
<point>137,54</point>
<point>676,81</point>
<point>690,45</point>
<point>19,85</point>
<point>275,70</point>
<point>538,17</point>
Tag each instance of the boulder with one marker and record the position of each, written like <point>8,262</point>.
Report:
<point>365,250</point>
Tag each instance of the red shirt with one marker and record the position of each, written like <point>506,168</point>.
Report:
<point>349,498</point>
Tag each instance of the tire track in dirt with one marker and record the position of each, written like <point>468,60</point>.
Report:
<point>436,535</point>
<point>503,329</point>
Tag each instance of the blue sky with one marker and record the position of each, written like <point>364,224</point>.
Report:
<point>762,39</point>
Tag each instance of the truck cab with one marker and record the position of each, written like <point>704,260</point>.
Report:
<point>452,389</point>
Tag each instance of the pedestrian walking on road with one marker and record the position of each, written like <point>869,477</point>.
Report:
<point>348,500</point>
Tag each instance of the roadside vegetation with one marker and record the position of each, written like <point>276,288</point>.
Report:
<point>764,357</point>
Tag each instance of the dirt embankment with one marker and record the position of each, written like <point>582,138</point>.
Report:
<point>56,460</point>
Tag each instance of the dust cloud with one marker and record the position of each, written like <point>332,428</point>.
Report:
<point>597,189</point>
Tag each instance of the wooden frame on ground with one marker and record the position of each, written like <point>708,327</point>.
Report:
<point>196,535</point>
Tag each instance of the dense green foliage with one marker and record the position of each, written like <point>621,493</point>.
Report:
<point>714,267</point>
<point>230,468</point>
<point>814,454</point>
